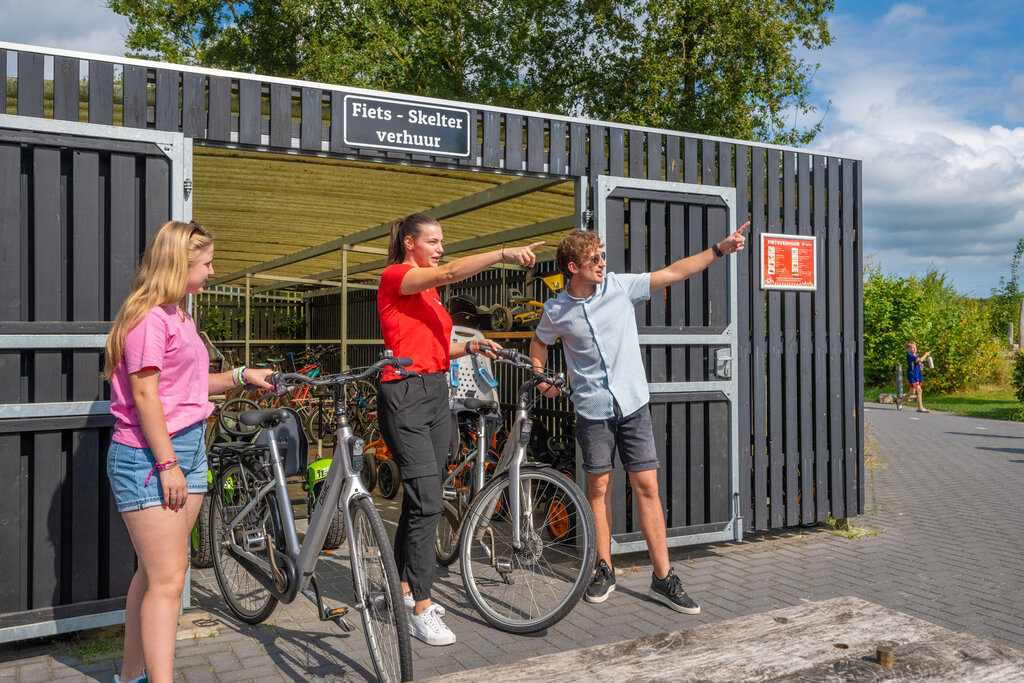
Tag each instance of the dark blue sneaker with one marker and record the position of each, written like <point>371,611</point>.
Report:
<point>602,585</point>
<point>670,591</point>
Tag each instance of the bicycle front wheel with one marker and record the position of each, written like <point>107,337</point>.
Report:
<point>529,588</point>
<point>379,593</point>
<point>245,596</point>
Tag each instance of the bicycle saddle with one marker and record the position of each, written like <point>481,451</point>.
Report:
<point>263,418</point>
<point>481,406</point>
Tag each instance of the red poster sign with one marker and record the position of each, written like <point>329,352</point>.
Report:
<point>788,262</point>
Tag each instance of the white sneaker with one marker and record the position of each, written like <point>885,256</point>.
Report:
<point>410,604</point>
<point>429,628</point>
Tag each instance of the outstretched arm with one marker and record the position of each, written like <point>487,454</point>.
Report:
<point>691,265</point>
<point>421,279</point>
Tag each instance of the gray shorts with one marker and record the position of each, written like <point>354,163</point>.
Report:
<point>631,435</point>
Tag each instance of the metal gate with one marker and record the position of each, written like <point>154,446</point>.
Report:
<point>78,202</point>
<point>688,340</point>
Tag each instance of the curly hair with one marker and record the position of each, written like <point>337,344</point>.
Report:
<point>576,247</point>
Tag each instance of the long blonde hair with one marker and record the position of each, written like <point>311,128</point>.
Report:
<point>160,280</point>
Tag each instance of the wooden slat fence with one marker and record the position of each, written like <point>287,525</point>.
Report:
<point>801,451</point>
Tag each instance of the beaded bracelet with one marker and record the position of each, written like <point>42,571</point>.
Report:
<point>238,375</point>
<point>161,466</point>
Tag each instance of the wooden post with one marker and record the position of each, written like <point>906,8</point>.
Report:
<point>248,321</point>
<point>344,308</point>
<point>883,655</point>
<point>899,381</point>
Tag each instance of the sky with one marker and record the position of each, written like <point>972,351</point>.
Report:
<point>929,94</point>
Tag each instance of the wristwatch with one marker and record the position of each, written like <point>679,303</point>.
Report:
<point>716,250</point>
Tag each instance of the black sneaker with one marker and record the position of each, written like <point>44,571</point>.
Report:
<point>602,585</point>
<point>670,591</point>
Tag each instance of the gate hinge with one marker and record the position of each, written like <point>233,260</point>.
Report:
<point>587,219</point>
<point>187,185</point>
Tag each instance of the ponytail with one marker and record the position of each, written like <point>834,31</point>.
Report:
<point>410,226</point>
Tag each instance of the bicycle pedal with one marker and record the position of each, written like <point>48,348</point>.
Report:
<point>335,613</point>
<point>449,493</point>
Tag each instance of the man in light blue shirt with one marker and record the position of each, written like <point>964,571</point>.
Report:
<point>594,316</point>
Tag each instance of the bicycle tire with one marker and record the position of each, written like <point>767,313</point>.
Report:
<point>388,480</point>
<point>227,418</point>
<point>446,546</point>
<point>245,596</point>
<point>543,580</point>
<point>378,592</point>
<point>200,554</point>
<point>336,531</point>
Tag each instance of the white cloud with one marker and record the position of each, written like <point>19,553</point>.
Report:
<point>940,188</point>
<point>83,25</point>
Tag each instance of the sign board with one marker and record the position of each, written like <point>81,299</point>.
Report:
<point>406,126</point>
<point>789,262</point>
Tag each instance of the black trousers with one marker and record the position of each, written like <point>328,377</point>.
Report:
<point>416,425</point>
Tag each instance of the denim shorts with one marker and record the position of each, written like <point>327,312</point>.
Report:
<point>128,468</point>
<point>631,435</point>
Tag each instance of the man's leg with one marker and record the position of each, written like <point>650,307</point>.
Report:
<point>652,518</point>
<point>599,493</point>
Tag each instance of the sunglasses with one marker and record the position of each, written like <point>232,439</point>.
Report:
<point>198,228</point>
<point>597,258</point>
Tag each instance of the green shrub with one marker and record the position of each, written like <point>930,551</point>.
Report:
<point>955,328</point>
<point>1017,378</point>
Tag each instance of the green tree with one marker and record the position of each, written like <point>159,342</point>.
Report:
<point>721,67</point>
<point>1004,304</point>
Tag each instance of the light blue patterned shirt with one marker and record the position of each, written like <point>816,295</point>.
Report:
<point>601,344</point>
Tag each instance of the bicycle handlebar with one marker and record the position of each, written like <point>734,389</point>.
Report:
<point>524,362</point>
<point>397,365</point>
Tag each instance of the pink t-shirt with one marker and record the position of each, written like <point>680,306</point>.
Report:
<point>164,341</point>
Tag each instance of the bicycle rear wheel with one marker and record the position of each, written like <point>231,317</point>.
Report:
<point>379,593</point>
<point>245,596</point>
<point>527,589</point>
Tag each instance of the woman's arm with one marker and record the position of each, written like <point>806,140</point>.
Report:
<point>144,385</point>
<point>484,346</point>
<point>222,381</point>
<point>422,279</point>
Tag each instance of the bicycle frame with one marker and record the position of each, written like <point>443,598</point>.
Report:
<point>513,457</point>
<point>341,485</point>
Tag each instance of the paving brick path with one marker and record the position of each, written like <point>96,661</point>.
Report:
<point>950,550</point>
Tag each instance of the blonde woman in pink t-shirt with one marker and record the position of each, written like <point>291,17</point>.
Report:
<point>160,386</point>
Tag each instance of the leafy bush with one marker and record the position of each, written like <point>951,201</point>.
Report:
<point>1017,378</point>
<point>218,322</point>
<point>955,328</point>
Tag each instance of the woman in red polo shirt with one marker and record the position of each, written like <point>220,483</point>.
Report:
<point>413,411</point>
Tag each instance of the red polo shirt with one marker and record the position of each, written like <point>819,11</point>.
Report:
<point>415,326</point>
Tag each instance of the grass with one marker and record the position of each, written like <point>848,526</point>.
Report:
<point>93,645</point>
<point>992,403</point>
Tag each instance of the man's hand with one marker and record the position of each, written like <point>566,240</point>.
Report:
<point>734,242</point>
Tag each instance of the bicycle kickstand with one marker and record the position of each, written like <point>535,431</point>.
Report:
<point>337,615</point>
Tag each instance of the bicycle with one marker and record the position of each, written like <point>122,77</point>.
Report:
<point>258,560</point>
<point>468,469</point>
<point>527,542</point>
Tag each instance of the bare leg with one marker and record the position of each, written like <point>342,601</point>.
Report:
<point>159,536</point>
<point>599,493</point>
<point>131,667</point>
<point>652,518</point>
<point>920,397</point>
